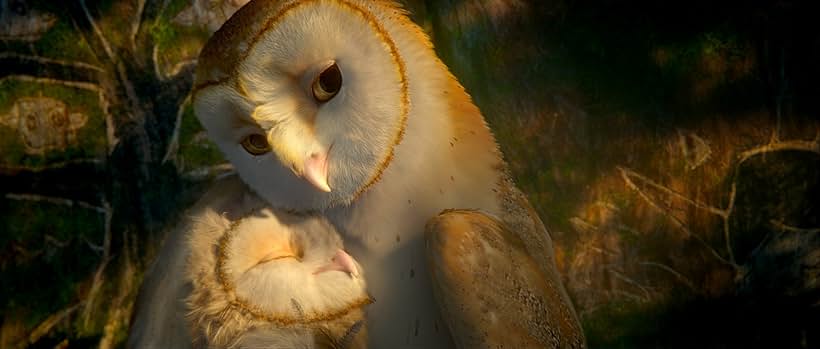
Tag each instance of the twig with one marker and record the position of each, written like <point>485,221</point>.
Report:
<point>630,281</point>
<point>173,145</point>
<point>56,242</point>
<point>582,226</point>
<point>679,276</point>
<point>45,327</point>
<point>54,200</point>
<point>54,166</point>
<point>76,84</point>
<point>177,68</point>
<point>46,60</point>
<point>94,247</point>
<point>155,58</point>
<point>727,236</point>
<point>680,225</point>
<point>206,172</point>
<point>800,145</point>
<point>787,228</point>
<point>97,32</point>
<point>626,173</point>
<point>136,23</point>
<point>599,249</point>
<point>130,91</point>
<point>98,274</point>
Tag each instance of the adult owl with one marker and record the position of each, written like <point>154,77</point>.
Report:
<point>341,108</point>
<point>273,280</point>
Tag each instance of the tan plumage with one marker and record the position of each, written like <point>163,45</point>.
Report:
<point>491,289</point>
<point>255,282</point>
<point>396,143</point>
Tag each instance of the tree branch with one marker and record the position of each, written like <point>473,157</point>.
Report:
<point>173,145</point>
<point>787,228</point>
<point>12,64</point>
<point>798,145</point>
<point>679,276</point>
<point>97,32</point>
<point>626,175</point>
<point>45,327</point>
<point>97,281</point>
<point>54,200</point>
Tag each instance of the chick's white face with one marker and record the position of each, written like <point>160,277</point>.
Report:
<point>290,271</point>
<point>312,113</point>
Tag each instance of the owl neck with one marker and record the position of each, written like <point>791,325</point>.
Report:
<point>448,158</point>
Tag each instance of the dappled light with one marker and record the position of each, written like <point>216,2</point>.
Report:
<point>675,162</point>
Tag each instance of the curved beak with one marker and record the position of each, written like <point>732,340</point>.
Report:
<point>315,171</point>
<point>340,262</point>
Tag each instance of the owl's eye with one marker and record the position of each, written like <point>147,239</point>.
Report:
<point>327,84</point>
<point>256,144</point>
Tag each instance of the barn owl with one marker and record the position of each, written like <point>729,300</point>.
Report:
<point>273,280</point>
<point>341,108</point>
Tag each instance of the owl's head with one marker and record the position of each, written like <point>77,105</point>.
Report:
<point>267,274</point>
<point>307,99</point>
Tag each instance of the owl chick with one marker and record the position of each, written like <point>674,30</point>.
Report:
<point>273,280</point>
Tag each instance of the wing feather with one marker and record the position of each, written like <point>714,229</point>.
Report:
<point>492,293</point>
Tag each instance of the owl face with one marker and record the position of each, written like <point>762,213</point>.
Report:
<point>314,104</point>
<point>271,278</point>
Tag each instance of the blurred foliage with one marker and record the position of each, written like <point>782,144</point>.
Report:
<point>670,147</point>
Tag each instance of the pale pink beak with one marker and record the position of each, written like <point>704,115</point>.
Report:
<point>316,171</point>
<point>340,262</point>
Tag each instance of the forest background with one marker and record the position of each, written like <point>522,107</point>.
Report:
<point>671,148</point>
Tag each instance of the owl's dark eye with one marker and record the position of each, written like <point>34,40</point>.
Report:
<point>327,84</point>
<point>256,144</point>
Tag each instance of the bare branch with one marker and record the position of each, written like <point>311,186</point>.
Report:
<point>179,68</point>
<point>799,145</point>
<point>50,167</point>
<point>787,228</point>
<point>46,60</point>
<point>94,247</point>
<point>45,327</point>
<point>216,171</point>
<point>679,276</point>
<point>97,32</point>
<point>55,241</point>
<point>621,276</point>
<point>600,250</point>
<point>136,23</point>
<point>75,84</point>
<point>54,200</point>
<point>727,236</point>
<point>155,59</point>
<point>626,174</point>
<point>97,281</point>
<point>173,145</point>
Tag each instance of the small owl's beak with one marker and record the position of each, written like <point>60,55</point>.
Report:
<point>316,171</point>
<point>340,262</point>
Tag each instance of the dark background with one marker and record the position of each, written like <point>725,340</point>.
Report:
<point>670,147</point>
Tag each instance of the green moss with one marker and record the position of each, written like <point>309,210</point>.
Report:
<point>64,42</point>
<point>163,34</point>
<point>49,241</point>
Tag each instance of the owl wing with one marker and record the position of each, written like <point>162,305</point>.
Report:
<point>491,292</point>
